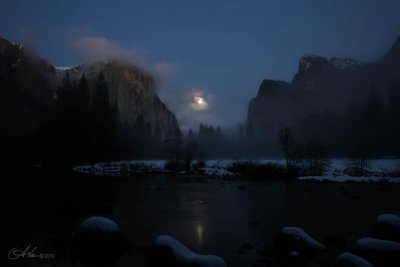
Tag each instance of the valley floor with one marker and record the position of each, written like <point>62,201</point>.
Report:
<point>210,216</point>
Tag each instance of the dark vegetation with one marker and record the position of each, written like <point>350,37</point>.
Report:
<point>365,129</point>
<point>259,171</point>
<point>82,125</point>
<point>368,128</point>
<point>79,125</point>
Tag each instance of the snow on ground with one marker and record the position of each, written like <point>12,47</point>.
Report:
<point>218,167</point>
<point>186,256</point>
<point>213,167</point>
<point>390,219</point>
<point>100,224</point>
<point>378,244</point>
<point>301,234</point>
<point>347,178</point>
<point>121,167</point>
<point>354,259</point>
<point>378,170</point>
<point>375,165</point>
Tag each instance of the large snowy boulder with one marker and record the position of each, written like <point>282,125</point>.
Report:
<point>347,259</point>
<point>169,252</point>
<point>379,252</point>
<point>387,226</point>
<point>98,242</point>
<point>294,240</point>
<point>99,224</point>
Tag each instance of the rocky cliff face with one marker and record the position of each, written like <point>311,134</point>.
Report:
<point>132,89</point>
<point>30,78</point>
<point>25,89</point>
<point>273,96</point>
<point>320,84</point>
<point>26,70</point>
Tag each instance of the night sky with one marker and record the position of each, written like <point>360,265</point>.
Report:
<point>216,52</point>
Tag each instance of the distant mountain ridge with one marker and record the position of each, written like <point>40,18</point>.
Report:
<point>320,84</point>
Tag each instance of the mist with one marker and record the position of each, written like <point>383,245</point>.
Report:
<point>200,133</point>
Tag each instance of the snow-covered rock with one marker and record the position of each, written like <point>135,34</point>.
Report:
<point>98,242</point>
<point>293,243</point>
<point>387,226</point>
<point>300,234</point>
<point>100,224</point>
<point>389,219</point>
<point>346,259</point>
<point>381,253</point>
<point>171,252</point>
<point>378,245</point>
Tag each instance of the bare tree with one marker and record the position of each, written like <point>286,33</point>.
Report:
<point>287,143</point>
<point>315,157</point>
<point>359,160</point>
<point>189,151</point>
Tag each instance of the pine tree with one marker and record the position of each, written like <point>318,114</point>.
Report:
<point>64,123</point>
<point>104,124</point>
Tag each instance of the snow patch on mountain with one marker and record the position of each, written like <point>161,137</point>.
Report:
<point>65,68</point>
<point>344,63</point>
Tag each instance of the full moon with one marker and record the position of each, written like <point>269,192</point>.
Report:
<point>199,100</point>
<point>199,103</point>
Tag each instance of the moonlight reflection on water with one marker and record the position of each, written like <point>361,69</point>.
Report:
<point>199,234</point>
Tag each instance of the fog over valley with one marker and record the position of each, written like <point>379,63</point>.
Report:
<point>200,133</point>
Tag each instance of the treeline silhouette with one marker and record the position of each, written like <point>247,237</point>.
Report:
<point>370,127</point>
<point>79,125</point>
<point>82,125</point>
<point>208,143</point>
<point>80,128</point>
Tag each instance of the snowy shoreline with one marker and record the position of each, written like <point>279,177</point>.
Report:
<point>378,170</point>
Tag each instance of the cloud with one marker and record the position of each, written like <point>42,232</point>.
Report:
<point>28,37</point>
<point>163,71</point>
<point>95,48</point>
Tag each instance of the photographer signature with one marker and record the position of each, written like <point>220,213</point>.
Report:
<point>28,252</point>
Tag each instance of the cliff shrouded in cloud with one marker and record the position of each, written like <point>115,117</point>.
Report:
<point>31,87</point>
<point>131,89</point>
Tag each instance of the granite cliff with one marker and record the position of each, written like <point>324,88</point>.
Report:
<point>131,89</point>
<point>29,85</point>
<point>320,84</point>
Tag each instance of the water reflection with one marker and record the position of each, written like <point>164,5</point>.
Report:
<point>199,234</point>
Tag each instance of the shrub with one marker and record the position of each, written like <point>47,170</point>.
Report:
<point>357,166</point>
<point>174,166</point>
<point>251,169</point>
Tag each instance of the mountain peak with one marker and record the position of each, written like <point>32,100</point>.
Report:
<point>394,50</point>
<point>6,45</point>
<point>272,87</point>
<point>310,61</point>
